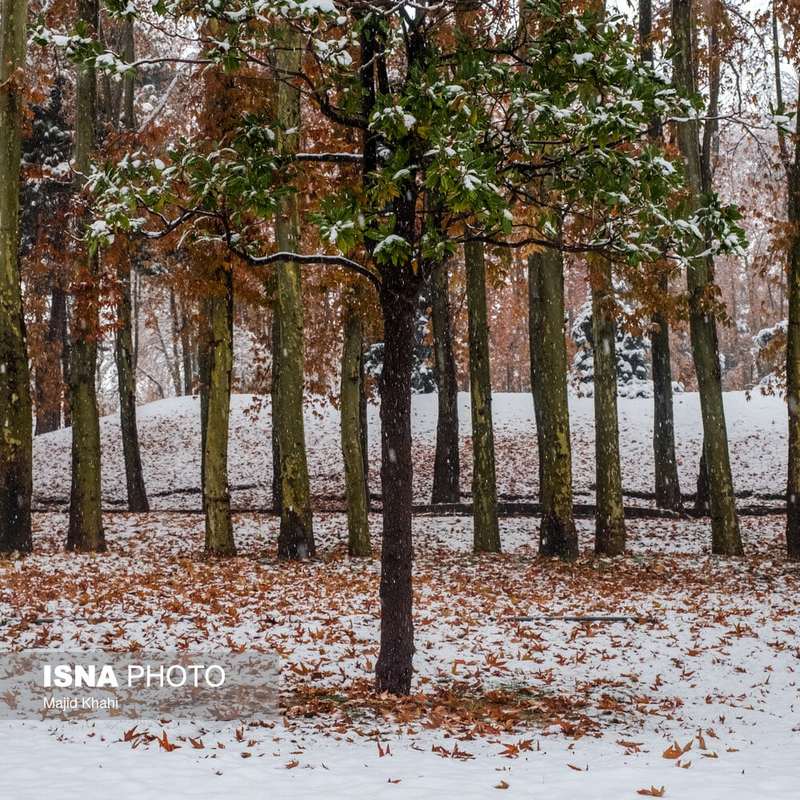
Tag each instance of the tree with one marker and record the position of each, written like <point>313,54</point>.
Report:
<point>726,538</point>
<point>446,465</point>
<point>85,520</point>
<point>557,536</point>
<point>486,535</point>
<point>296,538</point>
<point>16,458</point>
<point>123,345</point>
<point>352,390</point>
<point>426,147</point>
<point>667,487</point>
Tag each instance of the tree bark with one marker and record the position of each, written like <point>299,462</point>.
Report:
<point>296,538</point>
<point>609,516</point>
<point>486,535</point>
<point>793,357</point>
<point>446,466</point>
<point>558,536</point>
<point>358,541</point>
<point>85,519</point>
<point>667,486</point>
<point>216,491</point>
<point>186,351</point>
<point>725,535</point>
<point>126,381</point>
<point>394,668</point>
<point>48,372</point>
<point>16,442</point>
<point>275,403</point>
<point>534,344</point>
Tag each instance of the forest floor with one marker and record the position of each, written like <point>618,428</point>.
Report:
<point>699,696</point>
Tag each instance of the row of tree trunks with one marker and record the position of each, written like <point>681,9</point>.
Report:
<point>15,396</point>
<point>725,535</point>
<point>85,520</point>
<point>557,536</point>
<point>486,531</point>
<point>610,518</point>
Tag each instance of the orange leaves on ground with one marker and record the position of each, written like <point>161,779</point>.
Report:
<point>165,744</point>
<point>502,785</point>
<point>652,792</point>
<point>676,751</point>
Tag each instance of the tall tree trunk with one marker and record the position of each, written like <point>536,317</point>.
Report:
<point>16,443</point>
<point>394,668</point>
<point>85,519</point>
<point>446,466</point>
<point>486,536</point>
<point>48,374</point>
<point>558,536</point>
<point>296,538</point>
<point>216,491</point>
<point>275,403</point>
<point>126,381</point>
<point>186,352</point>
<point>358,541</point>
<point>793,355</point>
<point>123,351</point>
<point>667,486</point>
<point>534,344</point>
<point>725,535</point>
<point>609,515</point>
<point>175,361</point>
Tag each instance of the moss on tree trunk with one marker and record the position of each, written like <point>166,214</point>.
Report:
<point>216,491</point>
<point>557,535</point>
<point>358,541</point>
<point>609,514</point>
<point>15,396</point>
<point>85,519</point>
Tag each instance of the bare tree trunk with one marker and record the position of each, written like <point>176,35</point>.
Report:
<point>296,539</point>
<point>186,351</point>
<point>123,351</point>
<point>667,487</point>
<point>609,516</point>
<point>446,466</point>
<point>16,443</point>
<point>558,536</point>
<point>48,373</point>
<point>393,670</point>
<point>126,381</point>
<point>216,491</point>
<point>275,403</point>
<point>358,540</point>
<point>85,519</point>
<point>486,536</point>
<point>726,538</point>
<point>175,362</point>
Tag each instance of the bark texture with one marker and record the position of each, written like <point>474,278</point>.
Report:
<point>216,491</point>
<point>296,538</point>
<point>557,536</point>
<point>85,531</point>
<point>725,535</point>
<point>358,541</point>
<point>446,467</point>
<point>16,420</point>
<point>486,535</point>
<point>609,517</point>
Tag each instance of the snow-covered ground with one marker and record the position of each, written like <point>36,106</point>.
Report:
<point>170,436</point>
<point>544,709</point>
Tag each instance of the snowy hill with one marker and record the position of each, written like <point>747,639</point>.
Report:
<point>170,440</point>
